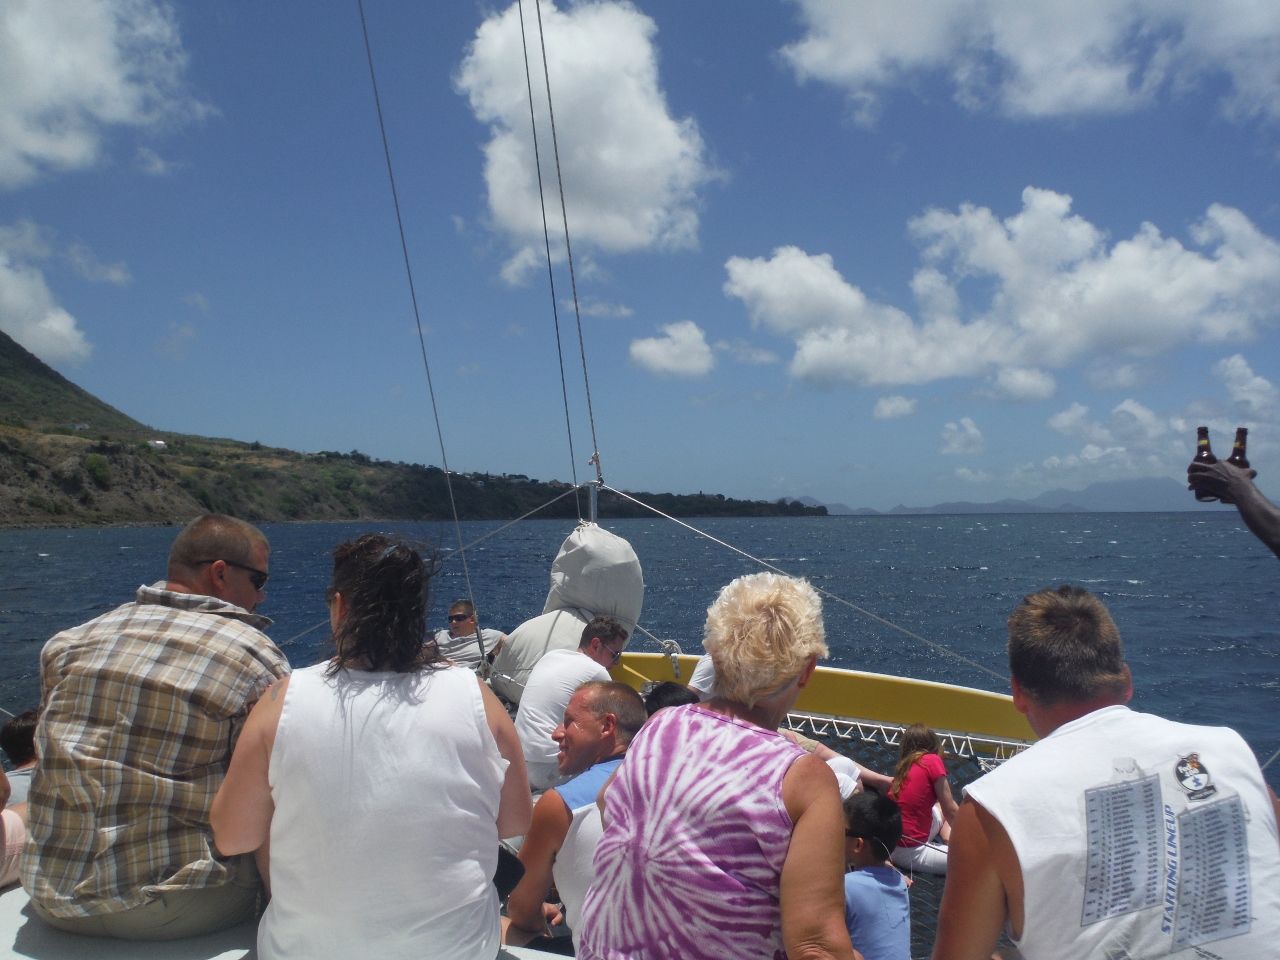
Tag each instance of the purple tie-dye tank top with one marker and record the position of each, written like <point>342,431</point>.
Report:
<point>690,863</point>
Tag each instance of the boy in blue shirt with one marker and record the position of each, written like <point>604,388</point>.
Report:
<point>876,907</point>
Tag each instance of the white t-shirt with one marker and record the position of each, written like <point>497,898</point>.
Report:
<point>550,686</point>
<point>463,650</point>
<point>704,678</point>
<point>384,840</point>
<point>1138,836</point>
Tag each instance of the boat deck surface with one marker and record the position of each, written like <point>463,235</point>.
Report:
<point>24,936</point>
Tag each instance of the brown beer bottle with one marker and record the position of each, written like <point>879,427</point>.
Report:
<point>1203,455</point>
<point>1237,458</point>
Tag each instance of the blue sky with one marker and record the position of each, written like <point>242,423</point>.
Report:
<point>873,253</point>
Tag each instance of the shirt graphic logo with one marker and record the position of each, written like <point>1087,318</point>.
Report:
<point>1194,778</point>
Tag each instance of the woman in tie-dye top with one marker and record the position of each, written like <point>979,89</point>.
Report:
<point>723,838</point>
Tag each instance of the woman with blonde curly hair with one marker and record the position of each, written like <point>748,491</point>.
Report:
<point>722,837</point>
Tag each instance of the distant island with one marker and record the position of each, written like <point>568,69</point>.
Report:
<point>1146,495</point>
<point>67,459</point>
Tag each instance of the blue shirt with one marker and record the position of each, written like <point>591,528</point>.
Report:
<point>582,789</point>
<point>877,912</point>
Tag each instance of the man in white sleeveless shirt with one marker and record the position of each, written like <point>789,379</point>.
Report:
<point>599,723</point>
<point>558,674</point>
<point>1118,834</point>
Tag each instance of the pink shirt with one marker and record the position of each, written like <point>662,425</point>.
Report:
<point>917,797</point>
<point>690,863</point>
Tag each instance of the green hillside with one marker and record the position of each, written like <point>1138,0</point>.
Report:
<point>68,459</point>
<point>34,394</point>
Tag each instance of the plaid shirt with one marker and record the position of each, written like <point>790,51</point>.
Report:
<point>141,710</point>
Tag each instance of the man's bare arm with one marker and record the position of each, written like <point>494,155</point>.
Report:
<point>973,902</point>
<point>1259,514</point>
<point>551,822</point>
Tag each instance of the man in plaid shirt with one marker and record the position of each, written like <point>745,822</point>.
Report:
<point>141,709</point>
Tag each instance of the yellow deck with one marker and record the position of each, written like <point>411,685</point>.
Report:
<point>871,696</point>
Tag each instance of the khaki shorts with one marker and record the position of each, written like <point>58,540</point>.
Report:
<point>13,833</point>
<point>175,913</point>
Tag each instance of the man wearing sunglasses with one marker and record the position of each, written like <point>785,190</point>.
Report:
<point>141,709</point>
<point>558,674</point>
<point>460,644</point>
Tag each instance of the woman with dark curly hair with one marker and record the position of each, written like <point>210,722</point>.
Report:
<point>380,782</point>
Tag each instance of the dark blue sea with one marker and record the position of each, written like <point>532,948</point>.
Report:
<point>1195,596</point>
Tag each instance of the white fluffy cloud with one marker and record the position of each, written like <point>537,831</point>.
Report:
<point>1024,383</point>
<point>1255,396</point>
<point>1130,423</point>
<point>70,71</point>
<point>1059,294</point>
<point>681,351</point>
<point>1134,441</point>
<point>893,407</point>
<point>961,438</point>
<point>745,352</point>
<point>91,268</point>
<point>1038,58</point>
<point>29,312</point>
<point>631,170</point>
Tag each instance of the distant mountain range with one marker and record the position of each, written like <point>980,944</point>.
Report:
<point>1147,495</point>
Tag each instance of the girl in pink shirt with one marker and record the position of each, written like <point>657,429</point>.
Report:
<point>921,789</point>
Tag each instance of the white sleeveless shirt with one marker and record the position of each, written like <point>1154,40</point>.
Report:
<point>1140,837</point>
<point>384,840</point>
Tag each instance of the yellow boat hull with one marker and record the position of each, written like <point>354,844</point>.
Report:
<point>871,696</point>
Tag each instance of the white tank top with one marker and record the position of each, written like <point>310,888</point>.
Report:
<point>1140,837</point>
<point>384,839</point>
<point>573,870</point>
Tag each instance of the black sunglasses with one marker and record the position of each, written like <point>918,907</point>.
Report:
<point>459,617</point>
<point>258,578</point>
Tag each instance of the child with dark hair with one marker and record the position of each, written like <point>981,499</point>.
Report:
<point>877,909</point>
<point>17,739</point>
<point>668,694</point>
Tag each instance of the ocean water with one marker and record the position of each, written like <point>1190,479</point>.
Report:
<point>1196,597</point>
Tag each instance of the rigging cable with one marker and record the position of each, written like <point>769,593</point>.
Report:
<point>422,342</point>
<point>509,523</point>
<point>564,216</point>
<point>546,239</point>
<point>826,593</point>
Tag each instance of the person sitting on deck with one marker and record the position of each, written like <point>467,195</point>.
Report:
<point>877,908</point>
<point>595,573</point>
<point>17,739</point>
<point>668,693</point>
<point>382,781</point>
<point>921,789</point>
<point>722,838</point>
<point>460,644</point>
<point>599,723</point>
<point>12,835</point>
<point>1117,834</point>
<point>140,710</point>
<point>550,686</point>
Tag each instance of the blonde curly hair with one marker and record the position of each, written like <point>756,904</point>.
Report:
<point>760,632</point>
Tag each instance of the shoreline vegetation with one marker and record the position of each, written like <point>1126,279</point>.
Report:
<point>69,460</point>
